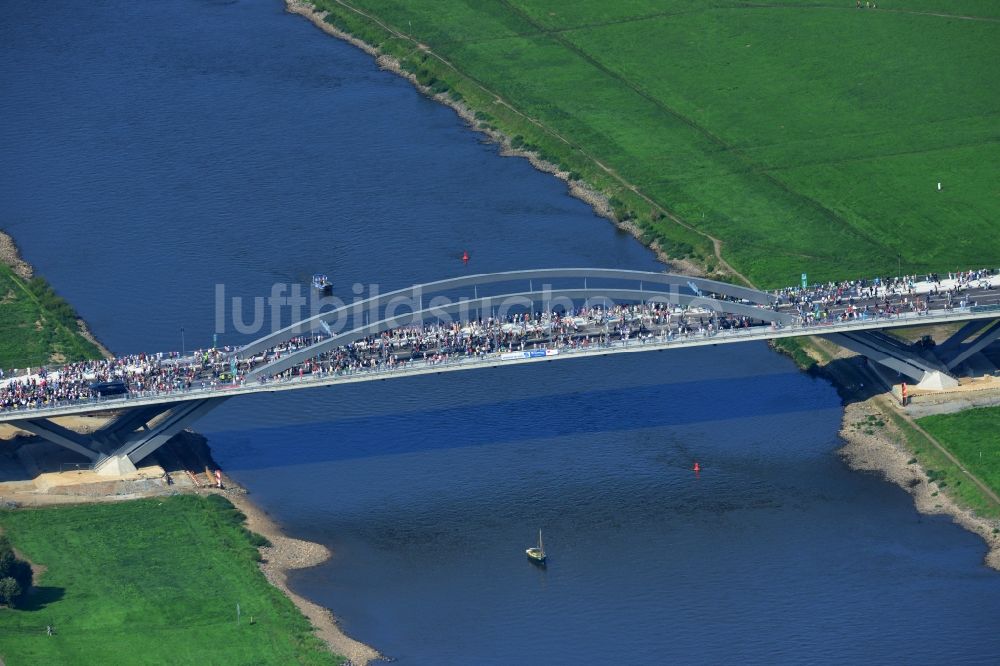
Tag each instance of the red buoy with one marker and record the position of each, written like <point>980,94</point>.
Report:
<point>697,467</point>
<point>465,257</point>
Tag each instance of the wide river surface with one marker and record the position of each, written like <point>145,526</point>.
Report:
<point>150,151</point>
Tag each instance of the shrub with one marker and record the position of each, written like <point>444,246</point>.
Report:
<point>15,574</point>
<point>258,540</point>
<point>10,591</point>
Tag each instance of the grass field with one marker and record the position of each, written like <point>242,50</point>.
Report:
<point>973,436</point>
<point>151,581</point>
<point>36,325</point>
<point>806,136</point>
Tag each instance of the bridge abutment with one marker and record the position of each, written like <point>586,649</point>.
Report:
<point>897,356</point>
<point>126,439</point>
<point>930,370</point>
<point>115,465</point>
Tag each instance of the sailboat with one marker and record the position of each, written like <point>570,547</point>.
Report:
<point>537,554</point>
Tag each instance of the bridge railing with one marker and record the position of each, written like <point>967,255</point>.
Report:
<point>209,389</point>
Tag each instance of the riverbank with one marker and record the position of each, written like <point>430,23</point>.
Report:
<point>872,429</point>
<point>179,567</point>
<point>709,151</point>
<point>871,447</point>
<point>31,476</point>
<point>24,274</point>
<point>286,554</point>
<point>601,203</point>
<point>10,256</point>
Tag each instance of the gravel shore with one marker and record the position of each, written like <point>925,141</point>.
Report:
<point>10,256</point>
<point>286,554</point>
<point>880,450</point>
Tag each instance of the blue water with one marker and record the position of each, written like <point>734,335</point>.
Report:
<point>151,151</point>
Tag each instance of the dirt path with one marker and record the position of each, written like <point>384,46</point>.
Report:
<point>849,7</point>
<point>933,440</point>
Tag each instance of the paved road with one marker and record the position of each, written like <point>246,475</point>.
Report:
<point>651,341</point>
<point>909,297</point>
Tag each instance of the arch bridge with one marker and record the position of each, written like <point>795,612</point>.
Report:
<point>144,422</point>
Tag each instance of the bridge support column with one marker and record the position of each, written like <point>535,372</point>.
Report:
<point>57,434</point>
<point>124,441</point>
<point>143,442</point>
<point>955,353</point>
<point>115,466</point>
<point>895,355</point>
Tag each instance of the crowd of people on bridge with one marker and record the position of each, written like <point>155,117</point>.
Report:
<point>429,343</point>
<point>877,297</point>
<point>141,373</point>
<point>436,342</point>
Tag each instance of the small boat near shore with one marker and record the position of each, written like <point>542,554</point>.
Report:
<point>321,283</point>
<point>536,554</point>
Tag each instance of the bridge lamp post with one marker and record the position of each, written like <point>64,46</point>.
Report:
<point>182,342</point>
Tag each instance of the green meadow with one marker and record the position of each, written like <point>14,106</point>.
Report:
<point>36,325</point>
<point>806,136</point>
<point>972,436</point>
<point>152,581</point>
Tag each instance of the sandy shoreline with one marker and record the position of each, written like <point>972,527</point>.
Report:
<point>286,554</point>
<point>10,256</point>
<point>881,450</point>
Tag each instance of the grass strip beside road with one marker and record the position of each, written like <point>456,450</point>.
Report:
<point>151,581</point>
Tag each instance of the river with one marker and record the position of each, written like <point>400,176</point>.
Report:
<point>151,151</point>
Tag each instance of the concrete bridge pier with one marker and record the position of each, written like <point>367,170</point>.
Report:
<point>898,356</point>
<point>960,347</point>
<point>125,440</point>
<point>64,437</point>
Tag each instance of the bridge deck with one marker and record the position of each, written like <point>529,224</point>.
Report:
<point>417,368</point>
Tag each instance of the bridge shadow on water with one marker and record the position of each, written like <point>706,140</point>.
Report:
<point>501,421</point>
